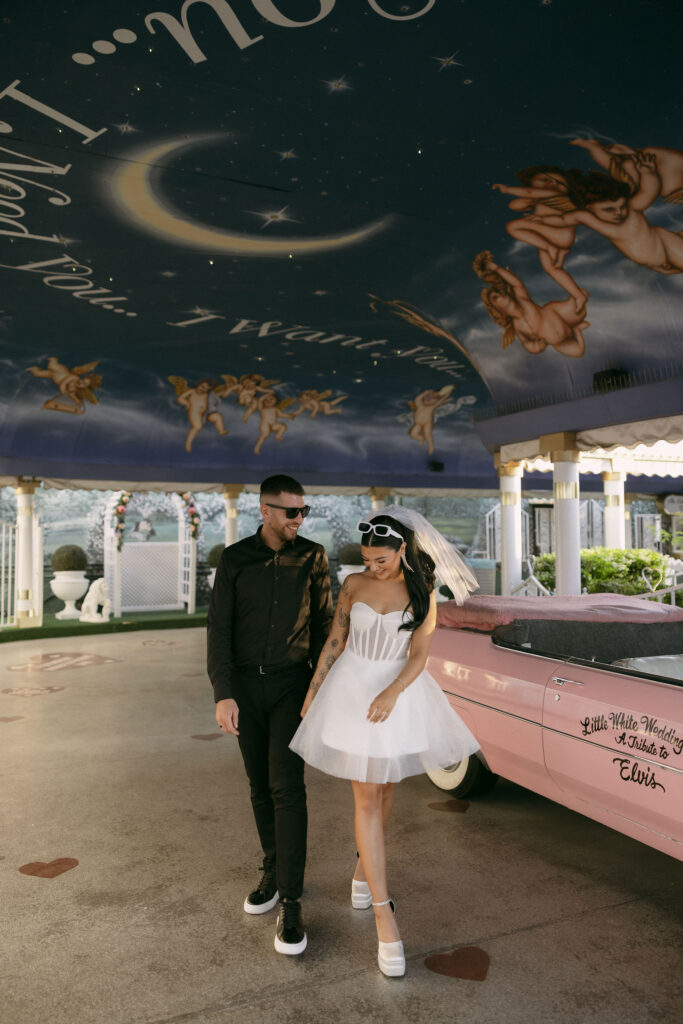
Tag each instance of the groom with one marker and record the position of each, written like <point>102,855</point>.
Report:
<point>270,612</point>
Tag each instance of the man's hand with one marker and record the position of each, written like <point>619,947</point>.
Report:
<point>227,715</point>
<point>310,694</point>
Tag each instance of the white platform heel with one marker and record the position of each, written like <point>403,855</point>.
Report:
<point>390,955</point>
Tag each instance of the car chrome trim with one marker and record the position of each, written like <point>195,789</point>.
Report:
<point>560,680</point>
<point>582,663</point>
<point>560,732</point>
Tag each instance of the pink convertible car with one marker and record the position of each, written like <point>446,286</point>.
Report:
<point>579,699</point>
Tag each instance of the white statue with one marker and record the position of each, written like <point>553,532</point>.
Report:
<point>96,597</point>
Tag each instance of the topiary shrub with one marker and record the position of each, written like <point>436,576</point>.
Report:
<point>214,555</point>
<point>349,554</point>
<point>610,570</point>
<point>69,558</point>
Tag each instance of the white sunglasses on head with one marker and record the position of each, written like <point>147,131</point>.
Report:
<point>379,530</point>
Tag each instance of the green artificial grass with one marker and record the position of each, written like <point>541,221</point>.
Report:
<point>72,627</point>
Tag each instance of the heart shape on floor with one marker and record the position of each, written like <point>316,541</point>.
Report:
<point>469,963</point>
<point>40,869</point>
<point>209,736</point>
<point>11,718</point>
<point>454,806</point>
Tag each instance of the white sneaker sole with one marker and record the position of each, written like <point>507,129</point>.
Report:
<point>290,948</point>
<point>259,908</point>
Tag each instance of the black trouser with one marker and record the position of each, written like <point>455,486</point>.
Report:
<point>269,715</point>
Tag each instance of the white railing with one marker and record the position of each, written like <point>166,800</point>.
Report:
<point>530,586</point>
<point>8,577</point>
<point>188,571</point>
<point>37,569</point>
<point>659,594</point>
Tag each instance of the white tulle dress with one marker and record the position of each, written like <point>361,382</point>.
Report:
<point>421,733</point>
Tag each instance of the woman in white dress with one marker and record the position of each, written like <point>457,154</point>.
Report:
<point>379,715</point>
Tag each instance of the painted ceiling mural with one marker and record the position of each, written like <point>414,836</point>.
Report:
<point>330,237</point>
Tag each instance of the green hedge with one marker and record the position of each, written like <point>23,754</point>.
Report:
<point>609,570</point>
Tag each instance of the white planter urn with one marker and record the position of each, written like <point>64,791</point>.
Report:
<point>345,570</point>
<point>69,585</point>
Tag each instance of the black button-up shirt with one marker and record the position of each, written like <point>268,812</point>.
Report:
<point>269,611</point>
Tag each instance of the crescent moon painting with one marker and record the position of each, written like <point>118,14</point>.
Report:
<point>134,193</point>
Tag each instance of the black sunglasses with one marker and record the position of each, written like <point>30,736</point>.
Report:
<point>292,512</point>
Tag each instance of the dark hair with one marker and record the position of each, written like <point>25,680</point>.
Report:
<point>595,187</point>
<point>274,486</point>
<point>420,582</point>
<point>525,176</point>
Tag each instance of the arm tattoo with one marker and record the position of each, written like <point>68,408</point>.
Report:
<point>342,618</point>
<point>334,643</point>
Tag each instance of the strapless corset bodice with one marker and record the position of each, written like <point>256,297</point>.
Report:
<point>375,636</point>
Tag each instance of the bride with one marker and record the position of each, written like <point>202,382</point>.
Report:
<point>379,715</point>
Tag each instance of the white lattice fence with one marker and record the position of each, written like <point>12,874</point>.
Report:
<point>8,560</point>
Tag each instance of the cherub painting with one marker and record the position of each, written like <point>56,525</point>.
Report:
<point>545,192</point>
<point>559,323</point>
<point>248,388</point>
<point>611,209</point>
<point>317,401</point>
<point>73,385</point>
<point>423,408</point>
<point>272,411</point>
<point>202,403</point>
<point>622,163</point>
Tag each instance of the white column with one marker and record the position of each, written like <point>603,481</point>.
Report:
<point>628,520</point>
<point>510,474</point>
<point>378,496</point>
<point>615,523</point>
<point>567,522</point>
<point>24,568</point>
<point>231,493</point>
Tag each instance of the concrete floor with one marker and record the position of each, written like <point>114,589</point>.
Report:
<point>109,755</point>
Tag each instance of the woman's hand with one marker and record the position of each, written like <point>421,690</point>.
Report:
<point>383,704</point>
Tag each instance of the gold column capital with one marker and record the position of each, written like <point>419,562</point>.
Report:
<point>561,446</point>
<point>27,486</point>
<point>232,490</point>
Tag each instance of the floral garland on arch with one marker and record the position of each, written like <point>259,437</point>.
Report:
<point>120,517</point>
<point>193,516</point>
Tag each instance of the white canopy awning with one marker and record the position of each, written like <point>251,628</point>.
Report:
<point>641,448</point>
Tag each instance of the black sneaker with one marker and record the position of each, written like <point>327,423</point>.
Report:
<point>264,897</point>
<point>290,936</point>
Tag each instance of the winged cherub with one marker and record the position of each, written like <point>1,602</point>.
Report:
<point>248,388</point>
<point>74,385</point>
<point>202,403</point>
<point>271,412</point>
<point>316,401</point>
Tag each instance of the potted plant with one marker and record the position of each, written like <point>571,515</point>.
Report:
<point>69,583</point>
<point>213,558</point>
<point>350,560</point>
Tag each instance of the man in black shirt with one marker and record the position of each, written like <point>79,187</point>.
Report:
<point>270,612</point>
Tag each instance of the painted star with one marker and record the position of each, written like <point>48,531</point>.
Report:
<point>338,85</point>
<point>320,291</point>
<point>448,62</point>
<point>273,216</point>
<point>126,127</point>
<point>169,273</point>
<point>287,154</point>
<point>199,311</point>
